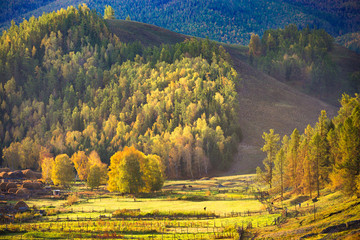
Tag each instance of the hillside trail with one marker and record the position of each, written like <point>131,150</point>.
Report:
<point>266,103</point>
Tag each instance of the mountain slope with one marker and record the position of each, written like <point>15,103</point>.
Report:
<point>267,103</point>
<point>225,21</point>
<point>67,84</point>
<point>264,102</point>
<point>147,34</point>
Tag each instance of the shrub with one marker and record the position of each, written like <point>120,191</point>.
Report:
<point>72,199</point>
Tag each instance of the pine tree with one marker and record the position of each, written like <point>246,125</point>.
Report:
<point>280,165</point>
<point>271,147</point>
<point>255,45</point>
<point>293,160</point>
<point>349,144</point>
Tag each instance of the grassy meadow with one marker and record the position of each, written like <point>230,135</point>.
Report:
<point>177,212</point>
<point>201,209</point>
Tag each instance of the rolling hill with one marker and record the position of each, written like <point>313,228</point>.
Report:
<point>264,101</point>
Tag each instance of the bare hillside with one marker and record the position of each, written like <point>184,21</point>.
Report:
<point>267,103</point>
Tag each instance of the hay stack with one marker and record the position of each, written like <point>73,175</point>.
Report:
<point>29,174</point>
<point>38,175</point>
<point>32,185</point>
<point>3,186</point>
<point>21,205</point>
<point>16,175</point>
<point>12,190</point>
<point>10,185</point>
<point>4,175</point>
<point>4,170</point>
<point>23,192</point>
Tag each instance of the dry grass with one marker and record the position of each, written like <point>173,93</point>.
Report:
<point>149,35</point>
<point>267,103</point>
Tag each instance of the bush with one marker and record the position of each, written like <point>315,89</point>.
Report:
<point>19,217</point>
<point>195,198</point>
<point>72,199</point>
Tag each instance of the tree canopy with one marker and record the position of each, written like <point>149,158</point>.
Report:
<point>326,155</point>
<point>109,12</point>
<point>62,171</point>
<point>81,89</point>
<point>131,171</point>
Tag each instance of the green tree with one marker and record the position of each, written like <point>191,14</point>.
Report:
<point>293,168</point>
<point>153,173</point>
<point>63,171</point>
<point>349,143</point>
<point>94,177</point>
<point>125,173</point>
<point>255,45</point>
<point>109,12</point>
<point>131,171</point>
<point>315,158</point>
<point>271,147</point>
<point>280,164</point>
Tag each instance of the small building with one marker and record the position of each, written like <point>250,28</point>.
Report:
<point>56,192</point>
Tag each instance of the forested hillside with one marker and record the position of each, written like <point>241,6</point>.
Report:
<point>307,59</point>
<point>325,155</point>
<point>10,9</point>
<point>68,84</point>
<point>224,21</point>
<point>350,40</point>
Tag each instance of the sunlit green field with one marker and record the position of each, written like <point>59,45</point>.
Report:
<point>214,208</point>
<point>202,209</point>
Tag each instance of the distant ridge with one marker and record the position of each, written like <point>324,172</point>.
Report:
<point>146,34</point>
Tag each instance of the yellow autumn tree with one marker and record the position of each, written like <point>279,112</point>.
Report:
<point>46,169</point>
<point>152,173</point>
<point>94,160</point>
<point>80,161</point>
<point>131,171</point>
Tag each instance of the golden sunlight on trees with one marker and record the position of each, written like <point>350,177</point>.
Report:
<point>255,45</point>
<point>81,89</point>
<point>46,169</point>
<point>63,171</point>
<point>131,171</point>
<point>80,161</point>
<point>109,12</point>
<point>327,155</point>
<point>94,159</point>
<point>94,177</point>
<point>84,163</point>
<point>271,148</point>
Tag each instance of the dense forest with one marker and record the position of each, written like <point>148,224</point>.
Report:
<point>10,9</point>
<point>302,58</point>
<point>350,40</point>
<point>69,85</point>
<point>224,21</point>
<point>326,155</point>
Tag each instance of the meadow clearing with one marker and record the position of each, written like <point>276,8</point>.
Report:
<point>215,208</point>
<point>184,209</point>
